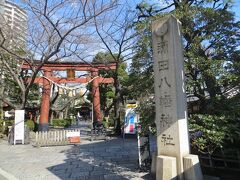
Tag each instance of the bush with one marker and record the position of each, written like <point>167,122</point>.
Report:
<point>111,122</point>
<point>105,123</point>
<point>4,129</point>
<point>36,125</point>
<point>1,126</point>
<point>61,122</point>
<point>208,132</point>
<point>73,121</point>
<point>68,122</point>
<point>9,122</point>
<point>30,124</point>
<point>146,111</point>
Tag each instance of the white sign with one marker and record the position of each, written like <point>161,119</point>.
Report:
<point>73,134</point>
<point>7,115</point>
<point>19,126</point>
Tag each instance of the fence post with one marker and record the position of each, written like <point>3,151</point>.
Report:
<point>224,157</point>
<point>40,138</point>
<point>51,137</point>
<point>37,138</point>
<point>210,160</point>
<point>238,155</point>
<point>64,137</point>
<point>58,137</point>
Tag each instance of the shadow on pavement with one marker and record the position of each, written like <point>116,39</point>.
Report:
<point>101,160</point>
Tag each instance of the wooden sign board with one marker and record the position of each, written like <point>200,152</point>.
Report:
<point>73,137</point>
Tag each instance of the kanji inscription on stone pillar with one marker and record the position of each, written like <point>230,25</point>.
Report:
<point>170,96</point>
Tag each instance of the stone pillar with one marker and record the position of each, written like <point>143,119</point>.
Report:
<point>166,168</point>
<point>154,163</point>
<point>192,167</point>
<point>96,96</point>
<point>45,104</point>
<point>170,95</point>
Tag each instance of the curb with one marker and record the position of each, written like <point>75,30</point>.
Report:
<point>6,175</point>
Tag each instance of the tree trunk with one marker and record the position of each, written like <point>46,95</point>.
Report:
<point>1,103</point>
<point>117,102</point>
<point>51,116</point>
<point>66,113</point>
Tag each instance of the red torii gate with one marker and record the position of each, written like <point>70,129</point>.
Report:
<point>49,67</point>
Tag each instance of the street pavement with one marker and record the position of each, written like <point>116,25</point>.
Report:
<point>2,177</point>
<point>111,159</point>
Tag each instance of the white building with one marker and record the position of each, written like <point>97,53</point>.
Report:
<point>13,21</point>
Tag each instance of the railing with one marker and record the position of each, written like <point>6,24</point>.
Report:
<point>57,137</point>
<point>222,161</point>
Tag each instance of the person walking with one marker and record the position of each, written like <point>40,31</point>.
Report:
<point>78,118</point>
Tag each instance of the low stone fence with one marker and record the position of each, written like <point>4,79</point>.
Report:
<point>57,137</point>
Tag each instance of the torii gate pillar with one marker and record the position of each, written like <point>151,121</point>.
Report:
<point>45,104</point>
<point>96,96</point>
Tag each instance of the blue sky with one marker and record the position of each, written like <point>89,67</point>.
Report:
<point>236,8</point>
<point>133,3</point>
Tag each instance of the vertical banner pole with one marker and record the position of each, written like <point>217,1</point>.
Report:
<point>138,142</point>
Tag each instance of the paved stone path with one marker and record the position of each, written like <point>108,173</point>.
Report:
<point>2,177</point>
<point>98,160</point>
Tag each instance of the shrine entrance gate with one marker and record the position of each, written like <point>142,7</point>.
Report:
<point>70,67</point>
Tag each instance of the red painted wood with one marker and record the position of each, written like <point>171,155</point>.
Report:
<point>48,68</point>
<point>75,66</point>
<point>96,97</point>
<point>45,104</point>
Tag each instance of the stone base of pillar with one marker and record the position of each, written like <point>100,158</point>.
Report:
<point>43,127</point>
<point>166,168</point>
<point>153,164</point>
<point>192,168</point>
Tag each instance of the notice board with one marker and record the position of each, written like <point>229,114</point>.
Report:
<point>19,126</point>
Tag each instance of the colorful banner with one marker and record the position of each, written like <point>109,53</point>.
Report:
<point>130,121</point>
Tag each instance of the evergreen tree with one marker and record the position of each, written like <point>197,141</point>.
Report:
<point>116,92</point>
<point>211,52</point>
<point>211,40</point>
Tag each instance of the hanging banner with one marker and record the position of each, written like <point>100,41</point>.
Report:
<point>130,121</point>
<point>19,126</point>
<point>70,93</point>
<point>60,91</point>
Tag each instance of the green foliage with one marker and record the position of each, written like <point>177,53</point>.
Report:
<point>112,93</point>
<point>33,99</point>
<point>4,129</point>
<point>211,53</point>
<point>30,124</point>
<point>212,130</point>
<point>107,91</point>
<point>9,122</point>
<point>12,86</point>
<point>105,123</point>
<point>211,40</point>
<point>1,126</point>
<point>146,110</point>
<point>103,57</point>
<point>61,122</point>
<point>36,126</point>
<point>111,121</point>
